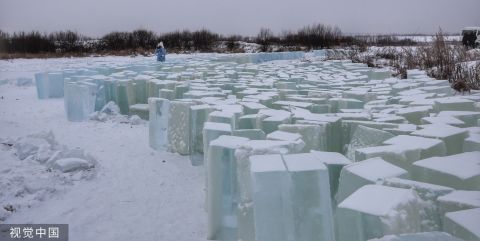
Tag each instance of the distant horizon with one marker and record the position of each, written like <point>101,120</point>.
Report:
<point>96,18</point>
<point>226,35</point>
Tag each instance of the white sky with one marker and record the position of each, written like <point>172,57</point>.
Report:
<point>97,17</point>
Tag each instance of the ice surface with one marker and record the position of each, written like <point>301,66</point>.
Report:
<point>310,197</point>
<point>246,227</point>
<point>80,98</point>
<point>455,104</point>
<point>272,207</point>
<point>415,114</point>
<point>425,190</point>
<point>463,224</point>
<point>158,123</point>
<point>447,120</point>
<point>221,188</point>
<point>49,85</point>
<point>251,121</point>
<point>428,147</point>
<point>211,131</point>
<point>374,211</point>
<point>348,128</point>
<point>426,236</point>
<point>428,193</point>
<point>373,116</point>
<point>283,136</point>
<point>330,126</point>
<point>270,124</point>
<point>334,162</point>
<point>458,171</point>
<point>459,200</point>
<point>403,150</point>
<point>469,117</point>
<point>452,136</point>
<point>223,117</point>
<point>198,117</point>
<point>310,134</point>
<point>125,95</point>
<point>252,134</point>
<point>356,175</point>
<point>472,143</point>
<point>402,156</point>
<point>344,103</point>
<point>141,110</point>
<point>179,127</point>
<point>55,84</point>
<point>252,107</point>
<point>364,137</point>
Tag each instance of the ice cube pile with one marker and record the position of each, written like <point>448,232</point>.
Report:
<point>303,150</point>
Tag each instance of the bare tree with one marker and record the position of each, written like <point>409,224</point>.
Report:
<point>264,38</point>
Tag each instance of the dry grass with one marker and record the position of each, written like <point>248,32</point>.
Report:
<point>441,60</point>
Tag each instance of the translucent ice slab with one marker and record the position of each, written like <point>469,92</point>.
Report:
<point>453,137</point>
<point>310,197</point>
<point>374,211</point>
<point>458,171</point>
<point>79,100</point>
<point>459,200</point>
<point>356,175</point>
<point>158,123</point>
<point>463,224</point>
<point>221,188</point>
<point>272,206</point>
<point>365,137</point>
<point>426,236</point>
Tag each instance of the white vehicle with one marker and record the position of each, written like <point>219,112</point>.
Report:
<point>471,31</point>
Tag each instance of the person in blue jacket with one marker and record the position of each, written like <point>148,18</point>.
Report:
<point>160,52</point>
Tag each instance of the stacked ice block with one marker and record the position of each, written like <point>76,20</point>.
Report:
<point>322,134</point>
<point>49,85</point>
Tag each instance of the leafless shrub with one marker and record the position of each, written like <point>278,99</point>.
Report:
<point>265,39</point>
<point>440,59</point>
<point>467,73</point>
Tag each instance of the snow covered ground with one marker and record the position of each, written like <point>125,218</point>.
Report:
<point>136,194</point>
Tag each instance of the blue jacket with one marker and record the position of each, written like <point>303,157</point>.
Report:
<point>161,52</point>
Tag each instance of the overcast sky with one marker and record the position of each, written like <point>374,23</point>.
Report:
<point>97,17</point>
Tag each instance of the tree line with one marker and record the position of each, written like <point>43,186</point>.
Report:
<point>316,36</point>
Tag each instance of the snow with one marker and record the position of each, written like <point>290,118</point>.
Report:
<point>419,142</point>
<point>267,163</point>
<point>469,198</point>
<point>382,169</point>
<point>448,120</point>
<point>382,200</point>
<point>426,236</point>
<point>331,158</point>
<point>418,186</point>
<point>358,174</point>
<point>283,136</point>
<point>218,126</point>
<point>303,162</point>
<point>228,141</point>
<point>71,164</point>
<point>136,188</point>
<point>438,131</point>
<point>463,166</point>
<point>464,224</point>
